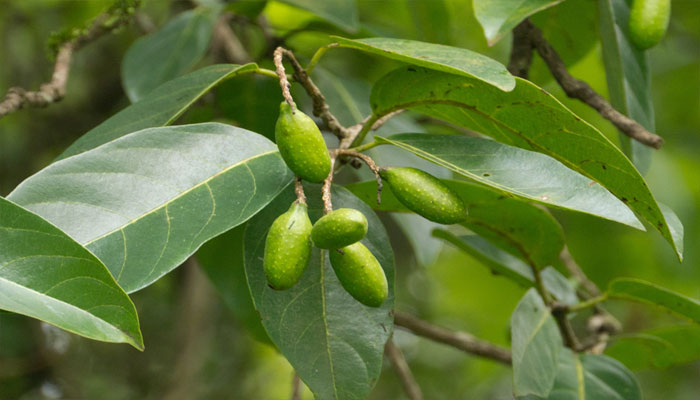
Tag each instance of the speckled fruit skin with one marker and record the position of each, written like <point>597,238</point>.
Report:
<point>425,195</point>
<point>360,274</point>
<point>287,247</point>
<point>648,22</point>
<point>339,228</point>
<point>301,145</point>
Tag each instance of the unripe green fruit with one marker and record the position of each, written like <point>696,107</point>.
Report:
<point>339,228</point>
<point>425,195</point>
<point>301,145</point>
<point>648,22</point>
<point>360,274</point>
<point>287,247</point>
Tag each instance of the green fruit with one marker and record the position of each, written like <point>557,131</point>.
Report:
<point>287,247</point>
<point>360,274</point>
<point>339,228</point>
<point>425,195</point>
<point>648,22</point>
<point>301,145</point>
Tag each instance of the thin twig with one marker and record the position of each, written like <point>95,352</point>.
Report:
<point>568,260</point>
<point>370,163</point>
<point>296,387</point>
<point>53,91</point>
<point>226,39</point>
<point>299,191</point>
<point>408,381</point>
<point>520,52</point>
<point>459,340</point>
<point>282,74</point>
<point>321,108</point>
<point>578,89</point>
<point>326,189</point>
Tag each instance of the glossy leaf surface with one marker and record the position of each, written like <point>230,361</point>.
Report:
<point>499,17</point>
<point>514,171</point>
<point>167,53</point>
<point>145,202</point>
<point>47,275</point>
<point>526,117</point>
<point>628,75</point>
<point>453,60</point>
<point>161,107</point>
<point>536,347</point>
<point>646,292</point>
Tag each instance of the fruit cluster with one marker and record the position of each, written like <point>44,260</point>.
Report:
<point>288,245</point>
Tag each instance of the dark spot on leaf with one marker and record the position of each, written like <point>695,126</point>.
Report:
<point>501,197</point>
<point>660,225</point>
<point>487,174</point>
<point>604,166</point>
<point>432,94</point>
<point>515,103</point>
<point>411,69</point>
<point>624,199</point>
<point>447,92</point>
<point>494,272</point>
<point>576,118</point>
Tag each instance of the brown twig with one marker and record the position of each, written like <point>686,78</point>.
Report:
<point>284,82</point>
<point>225,39</point>
<point>54,90</point>
<point>296,387</point>
<point>520,52</point>
<point>299,191</point>
<point>459,340</point>
<point>578,89</point>
<point>370,163</point>
<point>576,271</point>
<point>326,188</point>
<point>321,108</point>
<point>408,381</point>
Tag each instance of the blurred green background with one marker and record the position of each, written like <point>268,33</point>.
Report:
<point>196,346</point>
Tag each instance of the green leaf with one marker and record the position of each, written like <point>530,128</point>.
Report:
<point>222,260</point>
<point>161,107</point>
<point>527,117</point>
<point>333,342</point>
<point>46,275</point>
<point>503,263</point>
<point>641,350</point>
<point>171,51</point>
<point>592,377</point>
<point>145,202</point>
<point>513,171</point>
<point>499,17</point>
<point>343,13</point>
<point>628,74</point>
<point>645,292</point>
<point>522,229</point>
<point>438,57</point>
<point>658,348</point>
<point>536,347</point>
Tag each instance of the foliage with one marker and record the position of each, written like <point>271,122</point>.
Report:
<point>188,169</point>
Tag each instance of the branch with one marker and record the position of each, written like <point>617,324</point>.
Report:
<point>225,39</point>
<point>578,273</point>
<point>520,52</point>
<point>370,163</point>
<point>321,108</point>
<point>408,381</point>
<point>296,387</point>
<point>326,188</point>
<point>578,89</point>
<point>459,340</point>
<point>54,90</point>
